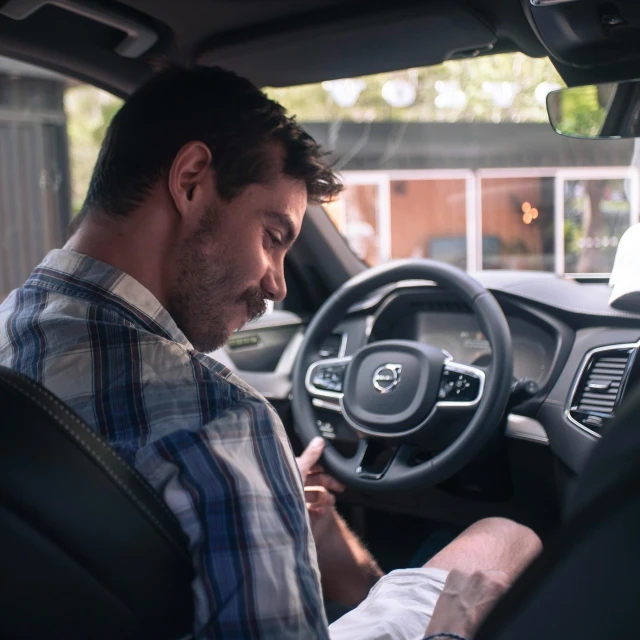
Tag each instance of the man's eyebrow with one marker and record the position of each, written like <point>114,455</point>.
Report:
<point>285,221</point>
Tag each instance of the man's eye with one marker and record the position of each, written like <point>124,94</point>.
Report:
<point>275,238</point>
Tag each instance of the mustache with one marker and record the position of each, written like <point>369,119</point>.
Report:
<point>255,301</point>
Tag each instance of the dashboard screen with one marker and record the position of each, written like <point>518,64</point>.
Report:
<point>459,334</point>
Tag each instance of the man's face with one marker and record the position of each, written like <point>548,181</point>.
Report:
<point>234,261</point>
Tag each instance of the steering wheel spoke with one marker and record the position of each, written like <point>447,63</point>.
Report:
<point>461,386</point>
<point>375,458</point>
<point>325,378</point>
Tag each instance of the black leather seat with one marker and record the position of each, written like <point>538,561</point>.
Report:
<point>585,584</point>
<point>87,548</point>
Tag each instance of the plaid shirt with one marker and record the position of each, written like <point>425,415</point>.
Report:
<point>209,444</point>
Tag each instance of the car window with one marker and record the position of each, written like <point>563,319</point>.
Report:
<point>455,162</point>
<point>50,133</point>
<point>458,162</point>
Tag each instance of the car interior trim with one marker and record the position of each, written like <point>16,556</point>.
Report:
<point>275,319</point>
<point>377,298</point>
<point>525,428</point>
<point>578,379</point>
<point>288,357</point>
<point>323,404</point>
<point>343,49</point>
<point>324,393</point>
<point>139,39</point>
<point>343,345</point>
<point>463,368</point>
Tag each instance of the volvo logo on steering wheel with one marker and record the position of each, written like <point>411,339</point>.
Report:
<point>386,377</point>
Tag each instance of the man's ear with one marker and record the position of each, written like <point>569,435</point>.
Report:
<point>190,178</point>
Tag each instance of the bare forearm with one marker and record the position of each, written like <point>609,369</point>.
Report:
<point>466,600</point>
<point>348,570</point>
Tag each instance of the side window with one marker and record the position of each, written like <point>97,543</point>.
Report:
<point>51,128</point>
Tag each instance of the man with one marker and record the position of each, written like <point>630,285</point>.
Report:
<point>199,190</point>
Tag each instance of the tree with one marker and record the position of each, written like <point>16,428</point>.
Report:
<point>580,111</point>
<point>591,259</point>
<point>478,80</point>
<point>89,112</point>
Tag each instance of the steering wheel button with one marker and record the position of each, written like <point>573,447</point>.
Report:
<point>465,384</point>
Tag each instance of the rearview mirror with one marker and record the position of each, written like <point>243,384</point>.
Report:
<point>602,111</point>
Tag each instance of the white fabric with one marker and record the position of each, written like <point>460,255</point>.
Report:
<point>625,275</point>
<point>399,607</point>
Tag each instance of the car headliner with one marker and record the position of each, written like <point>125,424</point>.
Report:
<point>273,42</point>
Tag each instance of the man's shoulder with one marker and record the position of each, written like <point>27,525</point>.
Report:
<point>154,382</point>
<point>126,381</point>
<point>71,327</point>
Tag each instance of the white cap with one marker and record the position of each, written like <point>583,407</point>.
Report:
<point>625,275</point>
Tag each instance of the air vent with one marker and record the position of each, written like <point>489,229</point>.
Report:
<point>600,387</point>
<point>332,346</point>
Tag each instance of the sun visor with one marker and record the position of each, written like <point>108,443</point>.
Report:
<point>588,33</point>
<point>339,47</point>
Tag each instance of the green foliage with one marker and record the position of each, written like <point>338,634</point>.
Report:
<point>572,232</point>
<point>581,113</point>
<point>89,112</point>
<point>108,110</point>
<point>312,103</point>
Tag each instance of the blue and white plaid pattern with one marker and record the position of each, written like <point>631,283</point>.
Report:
<point>209,444</point>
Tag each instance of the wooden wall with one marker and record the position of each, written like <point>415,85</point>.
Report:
<point>428,212</point>
<point>521,244</point>
<point>422,210</point>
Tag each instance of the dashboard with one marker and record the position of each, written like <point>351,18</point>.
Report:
<point>559,330</point>
<point>460,336</point>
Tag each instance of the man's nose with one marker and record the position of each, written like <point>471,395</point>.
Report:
<point>274,284</point>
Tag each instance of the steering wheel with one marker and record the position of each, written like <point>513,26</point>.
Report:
<point>401,396</point>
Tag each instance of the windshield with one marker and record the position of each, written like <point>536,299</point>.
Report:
<point>458,163</point>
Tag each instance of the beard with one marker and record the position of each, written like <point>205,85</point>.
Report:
<point>209,288</point>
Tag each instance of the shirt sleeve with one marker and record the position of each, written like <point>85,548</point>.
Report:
<point>235,488</point>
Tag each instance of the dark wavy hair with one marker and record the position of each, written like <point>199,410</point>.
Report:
<point>235,119</point>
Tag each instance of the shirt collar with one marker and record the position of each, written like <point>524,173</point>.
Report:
<point>77,274</point>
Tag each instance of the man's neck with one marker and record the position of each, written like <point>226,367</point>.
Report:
<point>128,246</point>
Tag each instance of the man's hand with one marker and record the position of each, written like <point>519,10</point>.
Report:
<point>317,488</point>
<point>466,600</point>
<point>348,570</point>
<point>313,472</point>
